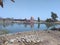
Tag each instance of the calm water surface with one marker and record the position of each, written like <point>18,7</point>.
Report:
<point>12,28</point>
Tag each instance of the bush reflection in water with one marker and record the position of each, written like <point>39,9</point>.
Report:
<point>26,27</point>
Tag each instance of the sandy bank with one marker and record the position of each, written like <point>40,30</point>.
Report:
<point>31,38</point>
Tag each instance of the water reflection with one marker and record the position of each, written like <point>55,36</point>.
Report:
<point>49,25</point>
<point>7,24</point>
<point>25,27</point>
<point>38,25</point>
<point>32,25</point>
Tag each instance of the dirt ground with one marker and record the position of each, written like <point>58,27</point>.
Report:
<point>31,38</point>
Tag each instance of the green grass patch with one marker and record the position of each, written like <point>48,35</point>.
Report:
<point>3,32</point>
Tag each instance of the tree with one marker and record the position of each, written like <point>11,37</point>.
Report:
<point>54,16</point>
<point>1,2</point>
<point>49,20</point>
<point>38,19</point>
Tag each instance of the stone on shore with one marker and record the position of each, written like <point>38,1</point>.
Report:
<point>31,38</point>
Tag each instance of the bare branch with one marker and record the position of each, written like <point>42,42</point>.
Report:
<point>1,3</point>
<point>12,0</point>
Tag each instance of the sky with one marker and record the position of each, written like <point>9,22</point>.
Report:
<point>26,8</point>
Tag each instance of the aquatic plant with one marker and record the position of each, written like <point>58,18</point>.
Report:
<point>3,32</point>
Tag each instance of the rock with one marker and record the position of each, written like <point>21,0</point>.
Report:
<point>31,38</point>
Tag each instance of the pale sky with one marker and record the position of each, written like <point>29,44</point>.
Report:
<point>27,8</point>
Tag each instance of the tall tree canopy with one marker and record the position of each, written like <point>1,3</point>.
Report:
<point>38,19</point>
<point>54,16</point>
<point>1,2</point>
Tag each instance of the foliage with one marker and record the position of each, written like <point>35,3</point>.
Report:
<point>54,16</point>
<point>3,32</point>
<point>1,2</point>
<point>48,25</point>
<point>38,19</point>
<point>49,20</point>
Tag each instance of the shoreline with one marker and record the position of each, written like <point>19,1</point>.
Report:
<point>37,37</point>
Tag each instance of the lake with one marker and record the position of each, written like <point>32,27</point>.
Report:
<point>17,27</point>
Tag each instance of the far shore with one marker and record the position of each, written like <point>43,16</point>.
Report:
<point>23,22</point>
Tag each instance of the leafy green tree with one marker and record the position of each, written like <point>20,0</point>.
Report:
<point>38,19</point>
<point>1,2</point>
<point>54,16</point>
<point>25,19</point>
<point>49,20</point>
